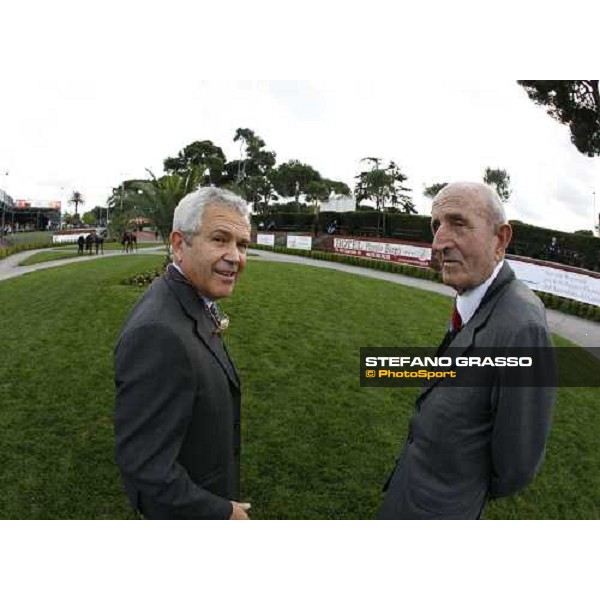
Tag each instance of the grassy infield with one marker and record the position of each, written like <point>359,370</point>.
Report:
<point>316,445</point>
<point>70,251</point>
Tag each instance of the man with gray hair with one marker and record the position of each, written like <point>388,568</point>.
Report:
<point>466,445</point>
<point>177,414</point>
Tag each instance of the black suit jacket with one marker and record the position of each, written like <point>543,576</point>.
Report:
<point>466,444</point>
<point>177,415</point>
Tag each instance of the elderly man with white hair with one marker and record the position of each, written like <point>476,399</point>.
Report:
<point>466,445</point>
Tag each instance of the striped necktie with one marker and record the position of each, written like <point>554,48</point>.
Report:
<point>214,313</point>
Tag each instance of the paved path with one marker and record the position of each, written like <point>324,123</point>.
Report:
<point>9,267</point>
<point>580,331</point>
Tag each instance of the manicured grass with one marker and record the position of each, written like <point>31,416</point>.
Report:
<point>48,256</point>
<point>315,444</point>
<point>109,245</point>
<point>67,252</point>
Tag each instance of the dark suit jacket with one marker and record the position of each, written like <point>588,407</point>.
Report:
<point>466,444</point>
<point>177,415</point>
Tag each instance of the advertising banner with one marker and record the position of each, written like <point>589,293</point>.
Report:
<point>559,282</point>
<point>401,253</point>
<point>303,242</point>
<point>265,239</point>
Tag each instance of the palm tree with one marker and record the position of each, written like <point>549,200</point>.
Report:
<point>156,199</point>
<point>76,199</point>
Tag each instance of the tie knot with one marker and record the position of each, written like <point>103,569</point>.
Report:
<point>456,319</point>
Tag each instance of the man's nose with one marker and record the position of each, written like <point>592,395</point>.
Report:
<point>441,240</point>
<point>232,253</point>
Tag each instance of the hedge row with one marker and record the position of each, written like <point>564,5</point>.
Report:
<point>417,227</point>
<point>357,261</point>
<point>570,307</point>
<point>565,305</point>
<point>574,249</point>
<point>7,251</point>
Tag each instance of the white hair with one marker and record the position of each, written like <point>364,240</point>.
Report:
<point>188,213</point>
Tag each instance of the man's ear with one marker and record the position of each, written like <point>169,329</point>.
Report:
<point>504,235</point>
<point>177,243</point>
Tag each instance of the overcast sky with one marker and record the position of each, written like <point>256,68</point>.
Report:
<point>79,113</point>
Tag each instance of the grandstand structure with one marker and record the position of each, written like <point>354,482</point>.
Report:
<point>28,215</point>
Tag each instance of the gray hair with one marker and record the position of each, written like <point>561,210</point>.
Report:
<point>188,213</point>
<point>492,202</point>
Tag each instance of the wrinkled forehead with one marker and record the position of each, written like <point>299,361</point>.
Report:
<point>223,217</point>
<point>461,202</point>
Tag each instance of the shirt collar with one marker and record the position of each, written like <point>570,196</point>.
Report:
<point>468,302</point>
<point>206,300</point>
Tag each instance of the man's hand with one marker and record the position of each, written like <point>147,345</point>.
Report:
<point>240,510</point>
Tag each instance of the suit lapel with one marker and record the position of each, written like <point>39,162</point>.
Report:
<point>466,336</point>
<point>194,307</point>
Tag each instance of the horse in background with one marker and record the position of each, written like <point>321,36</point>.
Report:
<point>129,241</point>
<point>89,242</point>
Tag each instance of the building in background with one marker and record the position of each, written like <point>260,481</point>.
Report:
<point>338,203</point>
<point>29,215</point>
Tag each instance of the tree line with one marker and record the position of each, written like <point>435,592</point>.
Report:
<point>256,176</point>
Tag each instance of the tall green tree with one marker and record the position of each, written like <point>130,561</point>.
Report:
<point>156,200</point>
<point>384,186</point>
<point>254,159</point>
<point>250,175</point>
<point>293,178</point>
<point>432,190</point>
<point>500,180</point>
<point>96,216</point>
<point>321,190</point>
<point>203,156</point>
<point>573,102</point>
<point>76,199</point>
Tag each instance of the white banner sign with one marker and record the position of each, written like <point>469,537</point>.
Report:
<point>66,238</point>
<point>558,281</point>
<point>403,253</point>
<point>266,239</point>
<point>303,242</point>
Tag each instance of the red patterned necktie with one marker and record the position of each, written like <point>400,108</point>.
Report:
<point>456,319</point>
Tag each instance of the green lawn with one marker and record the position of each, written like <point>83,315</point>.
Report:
<point>109,245</point>
<point>69,251</point>
<point>47,256</point>
<point>316,445</point>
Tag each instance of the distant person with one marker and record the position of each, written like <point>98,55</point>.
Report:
<point>553,250</point>
<point>178,395</point>
<point>332,227</point>
<point>467,445</point>
<point>271,226</point>
<point>80,244</point>
<point>89,242</point>
<point>99,243</point>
